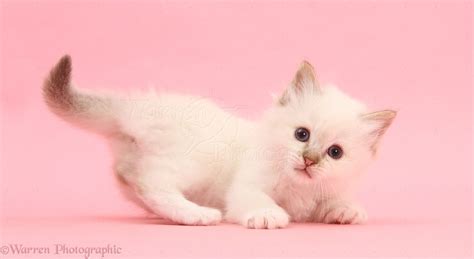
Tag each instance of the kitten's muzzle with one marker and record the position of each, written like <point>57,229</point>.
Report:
<point>305,171</point>
<point>311,160</point>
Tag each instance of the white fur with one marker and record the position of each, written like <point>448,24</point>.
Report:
<point>190,161</point>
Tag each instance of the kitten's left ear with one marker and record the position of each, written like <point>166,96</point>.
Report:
<point>304,81</point>
<point>378,122</point>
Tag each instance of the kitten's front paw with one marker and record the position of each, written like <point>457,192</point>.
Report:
<point>267,218</point>
<point>202,216</point>
<point>345,214</point>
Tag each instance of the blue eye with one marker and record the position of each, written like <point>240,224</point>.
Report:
<point>335,152</point>
<point>302,134</point>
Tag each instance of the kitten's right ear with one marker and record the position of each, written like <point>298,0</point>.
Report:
<point>304,81</point>
<point>378,122</point>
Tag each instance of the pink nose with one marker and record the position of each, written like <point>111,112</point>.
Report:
<point>308,162</point>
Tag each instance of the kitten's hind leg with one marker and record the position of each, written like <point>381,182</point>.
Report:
<point>160,184</point>
<point>173,205</point>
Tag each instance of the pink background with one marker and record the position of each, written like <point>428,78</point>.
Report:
<point>414,56</point>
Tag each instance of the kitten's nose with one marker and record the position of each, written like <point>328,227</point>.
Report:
<point>308,162</point>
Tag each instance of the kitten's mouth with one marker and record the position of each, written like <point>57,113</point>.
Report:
<point>304,172</point>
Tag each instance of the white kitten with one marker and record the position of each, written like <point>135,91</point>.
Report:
<point>190,161</point>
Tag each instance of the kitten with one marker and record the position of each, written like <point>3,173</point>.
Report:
<point>191,162</point>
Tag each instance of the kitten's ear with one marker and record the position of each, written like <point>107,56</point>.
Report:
<point>304,81</point>
<point>378,123</point>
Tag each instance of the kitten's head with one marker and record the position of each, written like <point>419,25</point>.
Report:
<point>322,135</point>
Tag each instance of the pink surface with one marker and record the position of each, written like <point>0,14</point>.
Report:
<point>412,56</point>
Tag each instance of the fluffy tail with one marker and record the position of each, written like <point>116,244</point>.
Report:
<point>92,111</point>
